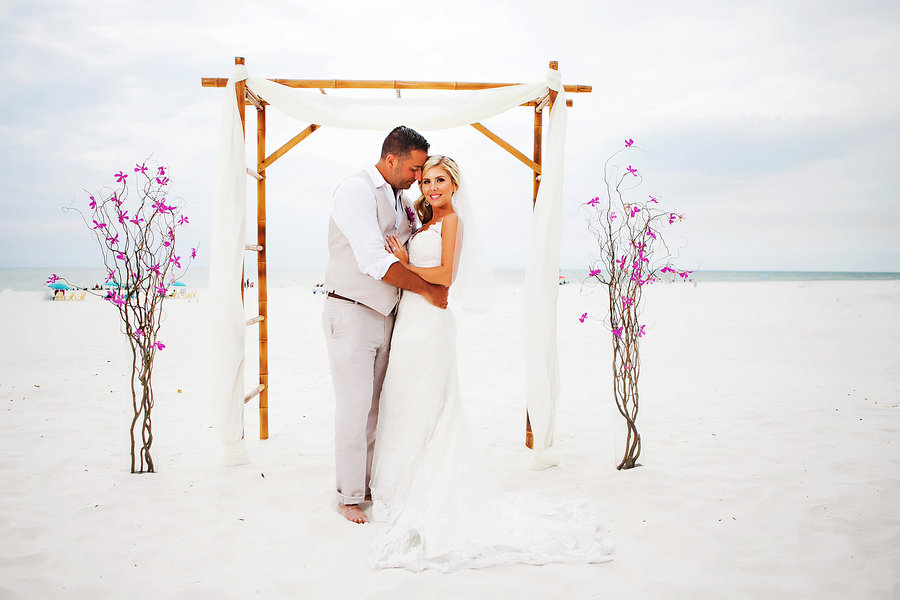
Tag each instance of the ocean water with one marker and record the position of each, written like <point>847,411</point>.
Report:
<point>717,276</point>
<point>24,280</point>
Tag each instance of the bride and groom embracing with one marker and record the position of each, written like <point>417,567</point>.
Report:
<point>401,439</point>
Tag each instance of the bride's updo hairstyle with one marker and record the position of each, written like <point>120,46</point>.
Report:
<point>423,208</point>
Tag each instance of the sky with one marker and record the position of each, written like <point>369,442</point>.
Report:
<point>773,126</point>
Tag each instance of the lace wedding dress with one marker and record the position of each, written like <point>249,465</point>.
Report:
<point>442,508</point>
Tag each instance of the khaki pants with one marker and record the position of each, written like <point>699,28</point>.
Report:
<point>359,342</point>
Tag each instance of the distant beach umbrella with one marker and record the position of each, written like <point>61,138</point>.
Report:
<point>178,283</point>
<point>58,286</point>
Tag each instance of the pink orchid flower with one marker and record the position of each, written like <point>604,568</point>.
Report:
<point>593,201</point>
<point>159,346</point>
<point>642,333</point>
<point>121,177</point>
<point>582,318</point>
<point>161,171</point>
<point>138,333</point>
<point>618,332</point>
<point>193,253</point>
<point>628,143</point>
<point>183,220</point>
<point>140,168</point>
<point>93,203</point>
<point>98,225</point>
<point>632,170</point>
<point>594,272</point>
<point>652,199</point>
<point>54,278</point>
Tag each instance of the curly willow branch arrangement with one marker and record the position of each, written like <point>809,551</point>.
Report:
<point>633,254</point>
<point>137,242</point>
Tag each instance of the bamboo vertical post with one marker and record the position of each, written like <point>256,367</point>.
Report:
<point>240,88</point>
<point>261,284</point>
<point>538,140</point>
<point>553,93</point>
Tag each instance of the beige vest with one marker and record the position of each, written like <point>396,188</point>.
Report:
<point>343,276</point>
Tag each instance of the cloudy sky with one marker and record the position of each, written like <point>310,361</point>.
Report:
<point>774,126</point>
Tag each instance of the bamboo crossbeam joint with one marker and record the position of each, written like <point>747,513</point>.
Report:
<point>256,392</point>
<point>507,146</point>
<point>290,144</point>
<point>253,99</point>
<point>255,320</point>
<point>253,173</point>
<point>253,247</point>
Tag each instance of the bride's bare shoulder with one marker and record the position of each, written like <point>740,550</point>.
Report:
<point>450,222</point>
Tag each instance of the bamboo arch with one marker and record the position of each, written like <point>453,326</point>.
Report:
<point>247,97</point>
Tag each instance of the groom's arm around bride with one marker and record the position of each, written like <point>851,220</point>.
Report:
<point>363,283</point>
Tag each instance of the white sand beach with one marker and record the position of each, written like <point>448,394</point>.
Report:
<point>771,463</point>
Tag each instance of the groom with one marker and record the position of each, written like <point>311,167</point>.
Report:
<point>363,283</point>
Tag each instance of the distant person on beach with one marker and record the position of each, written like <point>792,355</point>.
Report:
<point>363,285</point>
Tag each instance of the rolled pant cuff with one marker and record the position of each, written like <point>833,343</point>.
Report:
<point>345,500</point>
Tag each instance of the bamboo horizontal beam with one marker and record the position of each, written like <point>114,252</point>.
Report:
<point>284,149</point>
<point>253,173</point>
<point>255,320</point>
<point>372,84</point>
<point>507,146</point>
<point>253,247</point>
<point>256,392</point>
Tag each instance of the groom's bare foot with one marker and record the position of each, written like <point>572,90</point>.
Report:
<point>352,512</point>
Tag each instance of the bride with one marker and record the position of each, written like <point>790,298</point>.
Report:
<point>443,511</point>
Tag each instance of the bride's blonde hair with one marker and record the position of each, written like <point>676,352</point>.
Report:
<point>423,208</point>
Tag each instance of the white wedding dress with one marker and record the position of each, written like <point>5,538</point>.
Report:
<point>442,508</point>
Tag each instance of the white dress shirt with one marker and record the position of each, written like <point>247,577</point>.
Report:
<point>355,214</point>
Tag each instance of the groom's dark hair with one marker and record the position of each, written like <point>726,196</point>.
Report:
<point>403,140</point>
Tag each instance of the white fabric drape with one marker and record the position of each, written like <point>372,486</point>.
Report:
<point>541,289</point>
<point>429,113</point>
<point>225,276</point>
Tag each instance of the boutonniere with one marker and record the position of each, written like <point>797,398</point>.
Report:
<point>411,215</point>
